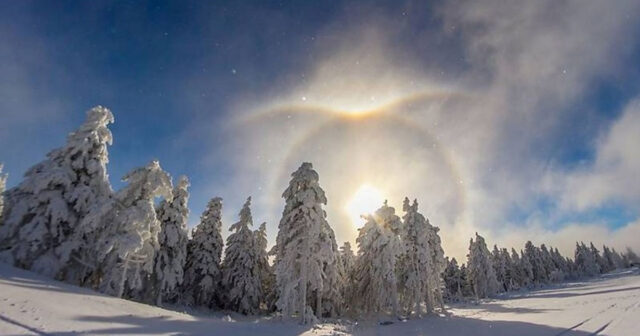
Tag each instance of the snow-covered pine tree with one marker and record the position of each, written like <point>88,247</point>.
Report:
<point>203,274</point>
<point>534,255</point>
<point>454,281</point>
<point>552,272</point>
<point>127,230</point>
<point>500,268</point>
<point>516,271</point>
<point>632,257</point>
<point>3,183</point>
<point>608,259</point>
<point>509,282</point>
<point>480,268</point>
<point>434,277</point>
<point>416,263</point>
<point>306,256</point>
<point>561,272</point>
<point>43,211</point>
<point>626,263</point>
<point>602,265</point>
<point>617,259</point>
<point>573,271</point>
<point>173,238</point>
<point>467,289</point>
<point>379,247</point>
<point>263,271</point>
<point>243,290</point>
<point>348,259</point>
<point>586,261</point>
<point>527,269</point>
<point>332,300</point>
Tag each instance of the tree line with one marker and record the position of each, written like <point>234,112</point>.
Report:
<point>64,220</point>
<point>488,273</point>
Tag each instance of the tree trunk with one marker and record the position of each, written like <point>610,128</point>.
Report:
<point>394,299</point>
<point>123,277</point>
<point>303,290</point>
<point>319,303</point>
<point>159,299</point>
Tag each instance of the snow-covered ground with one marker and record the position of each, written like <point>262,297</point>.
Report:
<point>34,305</point>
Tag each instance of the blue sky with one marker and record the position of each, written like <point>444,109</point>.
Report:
<point>530,132</point>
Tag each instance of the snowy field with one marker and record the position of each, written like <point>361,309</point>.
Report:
<point>34,305</point>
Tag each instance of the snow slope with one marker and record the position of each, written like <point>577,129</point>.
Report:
<point>34,305</point>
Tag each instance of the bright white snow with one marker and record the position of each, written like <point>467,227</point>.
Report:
<point>32,304</point>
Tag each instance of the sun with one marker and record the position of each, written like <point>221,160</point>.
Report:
<point>365,201</point>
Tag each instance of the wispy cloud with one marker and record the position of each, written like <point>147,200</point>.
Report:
<point>470,147</point>
<point>613,176</point>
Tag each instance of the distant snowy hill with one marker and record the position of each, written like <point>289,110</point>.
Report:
<point>34,305</point>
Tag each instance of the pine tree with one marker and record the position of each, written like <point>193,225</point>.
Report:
<point>379,247</point>
<point>263,271</point>
<point>561,272</point>
<point>126,230</point>
<point>434,276</point>
<point>617,259</point>
<point>517,271</point>
<point>467,289</point>
<point>572,267</point>
<point>586,261</point>
<point>416,263</point>
<point>500,268</point>
<point>42,213</point>
<point>454,280</point>
<point>534,255</point>
<point>242,286</point>
<point>348,259</point>
<point>608,259</point>
<point>202,275</point>
<point>553,274</point>
<point>480,266</point>
<point>602,265</point>
<point>632,257</point>
<point>527,269</point>
<point>171,257</point>
<point>3,182</point>
<point>306,256</point>
<point>509,282</point>
<point>332,300</point>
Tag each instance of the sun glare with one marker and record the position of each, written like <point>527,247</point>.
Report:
<point>366,200</point>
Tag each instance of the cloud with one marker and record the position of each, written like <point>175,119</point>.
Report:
<point>566,237</point>
<point>613,176</point>
<point>534,60</point>
<point>471,144</point>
